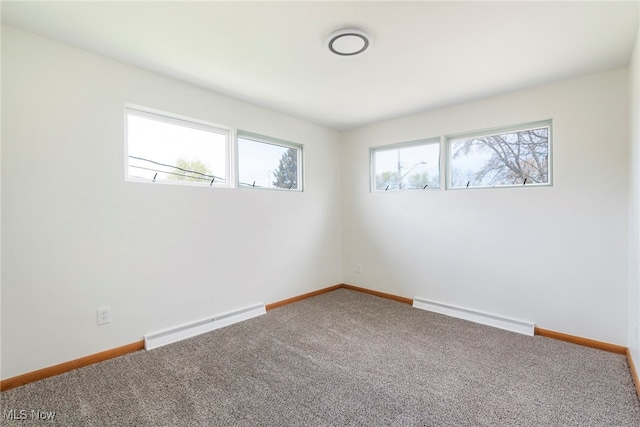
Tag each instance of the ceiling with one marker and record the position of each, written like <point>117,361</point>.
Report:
<point>424,55</point>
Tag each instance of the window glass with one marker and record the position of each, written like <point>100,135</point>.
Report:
<point>504,158</point>
<point>414,166</point>
<point>162,148</point>
<point>267,163</point>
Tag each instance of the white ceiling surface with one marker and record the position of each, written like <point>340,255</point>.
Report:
<point>424,55</point>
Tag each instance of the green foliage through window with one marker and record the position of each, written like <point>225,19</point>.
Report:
<point>414,166</point>
<point>286,176</point>
<point>162,148</point>
<point>267,163</point>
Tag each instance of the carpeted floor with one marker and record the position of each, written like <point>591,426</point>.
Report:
<point>343,359</point>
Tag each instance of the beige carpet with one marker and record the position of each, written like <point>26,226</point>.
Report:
<point>343,359</point>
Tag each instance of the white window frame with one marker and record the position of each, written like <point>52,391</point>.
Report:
<point>178,120</point>
<point>497,131</point>
<point>399,146</point>
<point>271,141</point>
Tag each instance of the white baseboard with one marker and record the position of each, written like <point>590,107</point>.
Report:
<point>526,328</point>
<point>158,339</point>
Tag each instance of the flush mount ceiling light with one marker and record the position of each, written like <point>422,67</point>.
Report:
<point>348,42</point>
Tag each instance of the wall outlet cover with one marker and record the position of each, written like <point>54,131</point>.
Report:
<point>103,315</point>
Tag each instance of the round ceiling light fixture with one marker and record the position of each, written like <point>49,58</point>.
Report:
<point>348,42</point>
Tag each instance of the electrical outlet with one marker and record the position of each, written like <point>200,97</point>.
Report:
<point>104,315</point>
<point>358,268</point>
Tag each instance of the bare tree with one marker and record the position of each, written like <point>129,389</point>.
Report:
<point>512,157</point>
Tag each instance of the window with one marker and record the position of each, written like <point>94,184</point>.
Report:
<point>410,166</point>
<point>168,149</point>
<point>265,162</point>
<point>503,158</point>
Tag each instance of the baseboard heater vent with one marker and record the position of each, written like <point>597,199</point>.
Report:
<point>179,333</point>
<point>476,316</point>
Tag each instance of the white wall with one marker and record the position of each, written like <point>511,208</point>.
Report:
<point>556,255</point>
<point>634,205</point>
<point>76,236</point>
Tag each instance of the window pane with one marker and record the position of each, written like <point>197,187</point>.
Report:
<point>414,167</point>
<point>267,165</point>
<point>159,150</point>
<point>505,159</point>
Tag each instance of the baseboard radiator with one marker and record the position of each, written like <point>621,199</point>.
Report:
<point>519,326</point>
<point>158,339</point>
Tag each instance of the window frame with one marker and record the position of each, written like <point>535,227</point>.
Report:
<point>425,141</point>
<point>547,123</point>
<point>263,139</point>
<point>177,120</point>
